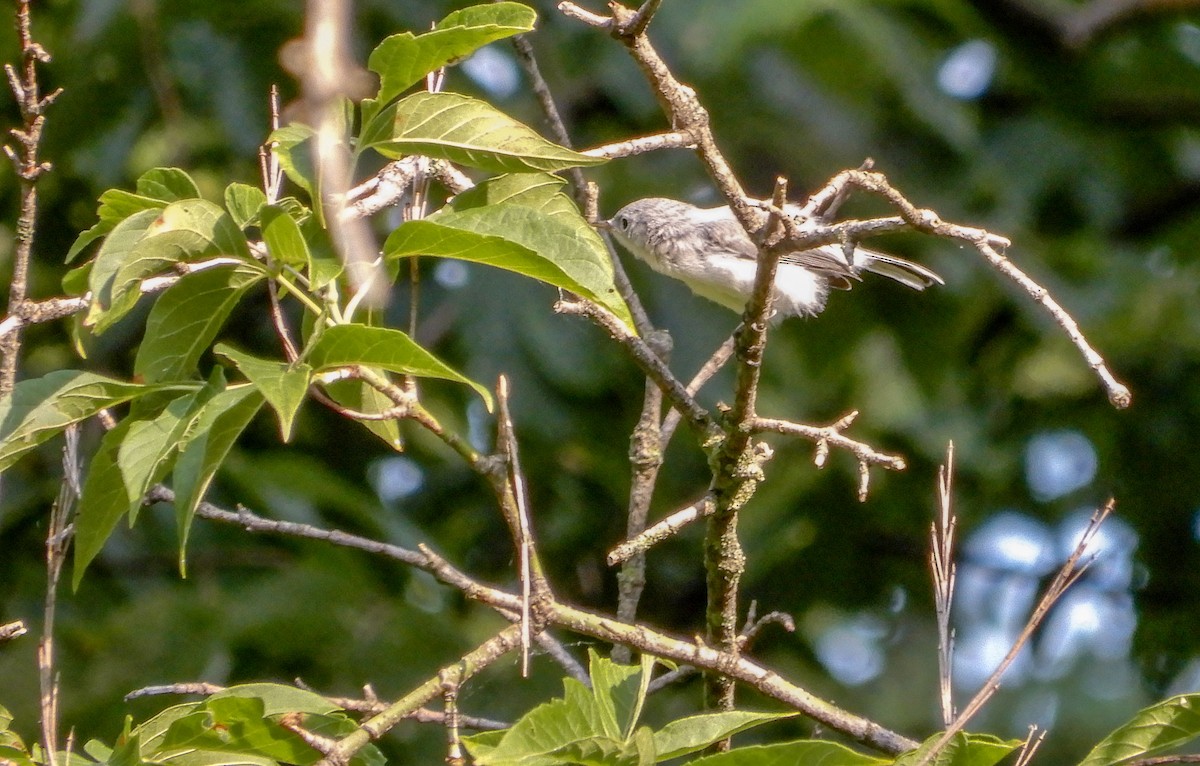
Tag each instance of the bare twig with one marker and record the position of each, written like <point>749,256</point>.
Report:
<point>58,541</point>
<point>1030,746</point>
<point>644,356</point>
<point>989,246</point>
<point>662,530</point>
<point>520,527</point>
<point>710,368</point>
<point>604,628</point>
<point>831,435</point>
<point>1066,577</point>
<point>29,169</point>
<point>941,561</point>
<point>457,673</point>
<point>674,139</point>
<point>191,687</point>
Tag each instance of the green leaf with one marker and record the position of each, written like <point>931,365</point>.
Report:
<point>282,384</point>
<point>519,239</point>
<point>186,318</point>
<point>284,240</point>
<point>155,189</point>
<point>115,206</point>
<point>291,148</point>
<point>962,750</point>
<point>389,349</point>
<point>117,249</point>
<point>218,425</point>
<point>807,752</point>
<point>544,735</point>
<point>130,458</point>
<point>619,691</point>
<point>404,59</point>
<point>187,230</point>
<point>243,202</point>
<point>42,407</point>
<point>465,131</point>
<point>278,699</point>
<point>694,733</point>
<point>167,184</point>
<point>543,192</point>
<point>1163,726</point>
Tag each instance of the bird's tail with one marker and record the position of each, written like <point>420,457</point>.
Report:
<point>907,273</point>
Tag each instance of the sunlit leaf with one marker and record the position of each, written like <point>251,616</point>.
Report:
<point>389,349</point>
<point>962,750</point>
<point>243,202</point>
<point>520,239</point>
<point>167,184</point>
<point>284,240</point>
<point>130,458</point>
<point>466,131</point>
<point>284,385</point>
<point>42,407</point>
<point>807,752</point>
<point>1164,726</point>
<point>694,733</point>
<point>187,317</point>
<point>217,427</point>
<point>404,59</point>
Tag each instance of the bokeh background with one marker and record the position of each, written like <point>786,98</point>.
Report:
<point>1074,134</point>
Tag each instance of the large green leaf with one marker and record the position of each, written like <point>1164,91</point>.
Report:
<point>354,344</point>
<point>167,184</point>
<point>131,457</point>
<point>42,407</point>
<point>620,691</point>
<point>404,59</point>
<point>187,317</point>
<point>218,425</point>
<point>546,247</point>
<point>694,733</point>
<point>466,131</point>
<point>553,732</point>
<point>806,752</point>
<point>155,189</point>
<point>117,249</point>
<point>1163,726</point>
<point>278,699</point>
<point>962,750</point>
<point>543,192</point>
<point>284,385</point>
<point>186,230</point>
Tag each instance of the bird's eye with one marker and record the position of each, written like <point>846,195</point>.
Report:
<point>623,222</point>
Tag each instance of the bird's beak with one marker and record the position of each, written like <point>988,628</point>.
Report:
<point>603,225</point>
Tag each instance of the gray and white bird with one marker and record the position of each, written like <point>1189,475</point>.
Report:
<point>708,250</point>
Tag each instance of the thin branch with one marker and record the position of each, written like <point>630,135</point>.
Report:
<point>831,435</point>
<point>29,169</point>
<point>601,627</point>
<point>1030,746</point>
<point>941,561</point>
<point>58,541</point>
<point>662,530</point>
<point>710,368</point>
<point>1066,577</point>
<point>674,139</point>
<point>989,246</point>
<point>646,359</point>
<point>646,458</point>
<point>471,663</point>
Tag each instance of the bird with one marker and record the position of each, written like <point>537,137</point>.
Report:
<point>708,250</point>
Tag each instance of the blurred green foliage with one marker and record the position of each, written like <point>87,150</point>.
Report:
<point>1087,155</point>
